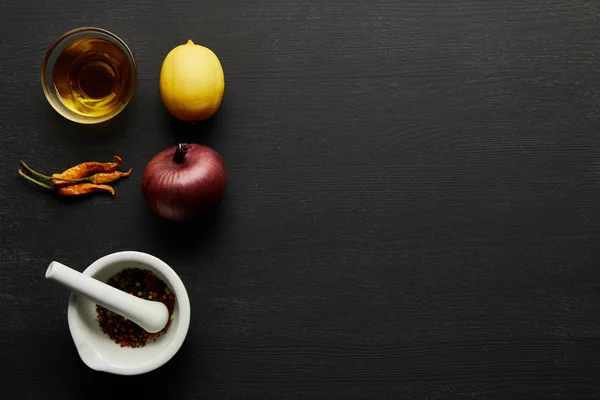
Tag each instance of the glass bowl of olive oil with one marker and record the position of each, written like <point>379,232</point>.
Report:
<point>89,75</point>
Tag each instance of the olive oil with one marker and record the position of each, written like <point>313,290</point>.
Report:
<point>93,77</point>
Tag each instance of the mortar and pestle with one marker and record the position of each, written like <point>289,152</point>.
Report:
<point>95,348</point>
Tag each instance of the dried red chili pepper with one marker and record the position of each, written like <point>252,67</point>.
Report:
<point>84,188</point>
<point>88,168</point>
<point>100,178</point>
<point>72,190</point>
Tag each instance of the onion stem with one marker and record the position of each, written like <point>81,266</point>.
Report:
<point>180,152</point>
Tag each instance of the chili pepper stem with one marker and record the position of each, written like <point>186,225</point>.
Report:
<point>45,186</point>
<point>86,179</point>
<point>49,178</point>
<point>34,172</point>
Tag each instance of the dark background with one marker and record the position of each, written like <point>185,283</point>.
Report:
<point>412,209</point>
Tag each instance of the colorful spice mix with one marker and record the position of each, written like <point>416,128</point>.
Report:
<point>143,284</point>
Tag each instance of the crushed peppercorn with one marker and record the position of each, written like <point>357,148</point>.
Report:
<point>139,282</point>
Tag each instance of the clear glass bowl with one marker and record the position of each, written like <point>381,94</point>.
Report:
<point>49,85</point>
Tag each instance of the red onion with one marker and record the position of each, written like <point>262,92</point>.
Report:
<point>184,182</point>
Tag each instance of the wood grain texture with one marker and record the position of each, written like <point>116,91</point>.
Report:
<point>412,209</point>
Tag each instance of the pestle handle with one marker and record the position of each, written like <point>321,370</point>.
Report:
<point>152,316</point>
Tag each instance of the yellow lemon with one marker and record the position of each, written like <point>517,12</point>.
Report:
<point>192,82</point>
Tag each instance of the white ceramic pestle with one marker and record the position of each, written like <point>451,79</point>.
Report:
<point>152,316</point>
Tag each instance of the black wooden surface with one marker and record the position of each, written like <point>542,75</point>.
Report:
<point>412,211</point>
